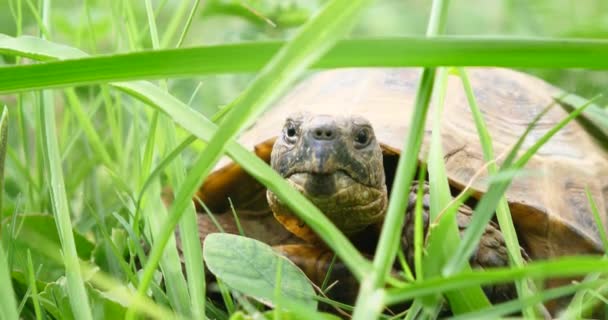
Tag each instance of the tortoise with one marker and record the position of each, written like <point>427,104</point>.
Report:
<point>337,136</point>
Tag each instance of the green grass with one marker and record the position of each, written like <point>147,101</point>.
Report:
<point>403,51</point>
<point>95,151</point>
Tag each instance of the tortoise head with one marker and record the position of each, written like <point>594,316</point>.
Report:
<point>336,162</point>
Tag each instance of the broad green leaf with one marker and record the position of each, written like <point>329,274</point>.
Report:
<point>250,266</point>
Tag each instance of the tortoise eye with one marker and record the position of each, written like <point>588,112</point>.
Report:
<point>362,137</point>
<point>291,132</point>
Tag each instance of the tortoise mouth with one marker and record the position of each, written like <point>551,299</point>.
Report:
<point>350,205</point>
<point>321,185</point>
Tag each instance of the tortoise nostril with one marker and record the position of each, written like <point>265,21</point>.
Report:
<point>324,133</point>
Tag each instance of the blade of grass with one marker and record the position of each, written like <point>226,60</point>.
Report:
<point>406,51</point>
<point>77,292</point>
<point>313,40</point>
<point>596,116</point>
<point>503,213</point>
<point>3,150</point>
<point>78,297</point>
<point>32,286</point>
<point>510,307</point>
<point>581,305</point>
<point>187,25</point>
<point>580,301</point>
<point>563,267</point>
<point>598,220</point>
<point>8,304</point>
<point>443,236</point>
<point>87,126</point>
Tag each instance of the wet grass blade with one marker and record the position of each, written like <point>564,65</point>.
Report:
<point>386,52</point>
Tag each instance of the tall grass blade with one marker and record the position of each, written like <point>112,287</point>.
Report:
<point>156,213</point>
<point>514,306</point>
<point>443,236</point>
<point>595,120</point>
<point>8,304</point>
<point>503,213</point>
<point>47,130</point>
<point>385,52</point>
<point>3,150</point>
<point>32,286</point>
<point>77,293</point>
<point>564,267</point>
<point>598,220</point>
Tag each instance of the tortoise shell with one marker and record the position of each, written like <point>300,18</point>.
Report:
<point>548,204</point>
